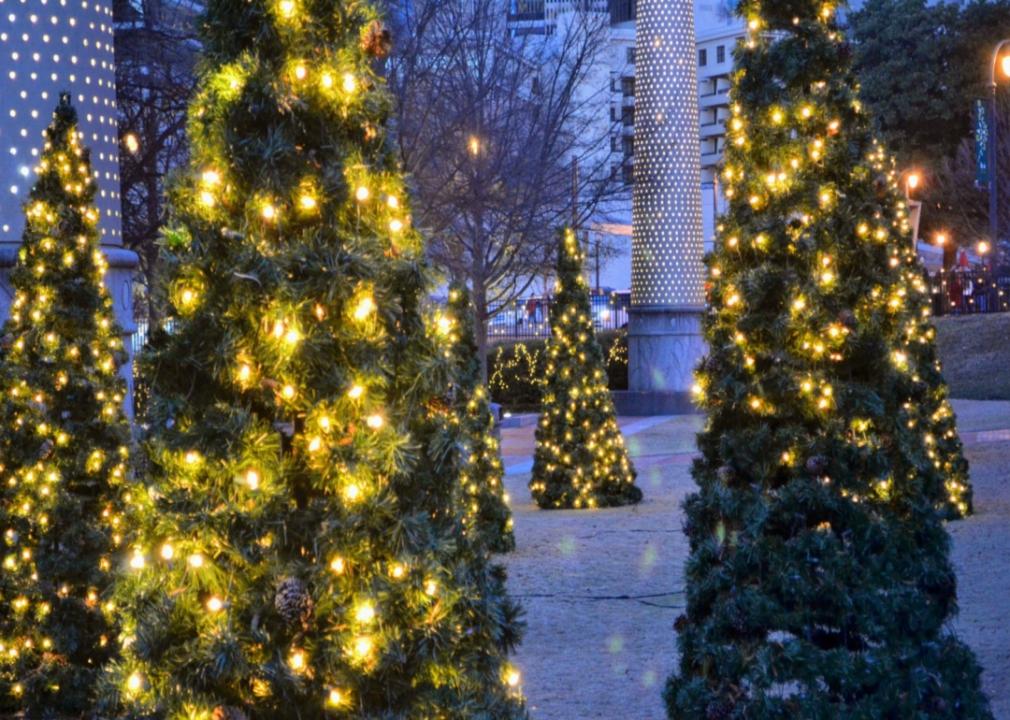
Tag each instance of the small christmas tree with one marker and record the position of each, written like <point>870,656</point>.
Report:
<point>485,510</point>
<point>580,460</point>
<point>64,444</point>
<point>819,583</point>
<point>299,551</point>
<point>928,408</point>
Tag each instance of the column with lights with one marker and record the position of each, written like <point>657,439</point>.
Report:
<point>47,48</point>
<point>667,274</point>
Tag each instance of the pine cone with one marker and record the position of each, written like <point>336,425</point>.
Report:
<point>376,40</point>
<point>719,710</point>
<point>816,464</point>
<point>293,602</point>
<point>881,186</point>
<point>227,712</point>
<point>47,449</point>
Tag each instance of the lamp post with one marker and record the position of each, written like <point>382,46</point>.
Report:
<point>992,146</point>
<point>911,183</point>
<point>912,180</point>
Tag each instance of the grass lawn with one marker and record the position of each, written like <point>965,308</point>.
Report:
<point>975,350</point>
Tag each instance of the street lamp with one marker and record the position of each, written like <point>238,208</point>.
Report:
<point>1004,63</point>
<point>941,239</point>
<point>912,180</point>
<point>911,183</point>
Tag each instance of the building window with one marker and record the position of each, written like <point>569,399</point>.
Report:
<point>628,86</point>
<point>613,114</point>
<point>631,55</point>
<point>629,173</point>
<point>615,143</point>
<point>702,57</point>
<point>720,54</point>
<point>615,171</point>
<point>628,116</point>
<point>629,147</point>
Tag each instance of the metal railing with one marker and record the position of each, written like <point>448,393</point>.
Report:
<point>530,318</point>
<point>962,291</point>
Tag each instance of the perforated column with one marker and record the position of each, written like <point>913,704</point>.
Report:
<point>667,237</point>
<point>47,47</point>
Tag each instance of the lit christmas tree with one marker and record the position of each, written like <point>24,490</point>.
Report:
<point>927,407</point>
<point>64,446</point>
<point>298,553</point>
<point>485,510</point>
<point>819,583</point>
<point>580,459</point>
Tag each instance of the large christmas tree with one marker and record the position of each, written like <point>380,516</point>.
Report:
<point>580,459</point>
<point>64,445</point>
<point>299,553</point>
<point>485,510</point>
<point>819,583</point>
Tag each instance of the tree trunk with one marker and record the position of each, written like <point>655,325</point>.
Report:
<point>480,325</point>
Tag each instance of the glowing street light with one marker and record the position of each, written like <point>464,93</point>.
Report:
<point>941,239</point>
<point>912,180</point>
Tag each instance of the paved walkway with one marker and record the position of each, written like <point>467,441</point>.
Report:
<point>602,588</point>
<point>521,440</point>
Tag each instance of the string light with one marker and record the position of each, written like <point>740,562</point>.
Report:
<point>135,682</point>
<point>364,308</point>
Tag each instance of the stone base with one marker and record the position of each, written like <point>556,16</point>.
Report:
<point>664,346</point>
<point>631,403</point>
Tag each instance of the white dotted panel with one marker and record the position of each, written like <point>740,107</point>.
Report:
<point>667,239</point>
<point>47,47</point>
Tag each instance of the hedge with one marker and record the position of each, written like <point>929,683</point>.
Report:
<point>515,370</point>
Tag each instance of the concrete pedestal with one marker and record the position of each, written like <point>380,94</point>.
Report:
<point>664,346</point>
<point>119,283</point>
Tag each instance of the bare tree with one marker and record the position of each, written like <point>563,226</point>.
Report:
<point>155,52</point>
<point>493,112</point>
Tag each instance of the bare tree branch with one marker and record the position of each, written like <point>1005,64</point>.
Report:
<point>489,121</point>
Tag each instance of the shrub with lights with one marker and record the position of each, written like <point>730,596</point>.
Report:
<point>819,582</point>
<point>64,447</point>
<point>484,504</point>
<point>299,553</point>
<point>580,459</point>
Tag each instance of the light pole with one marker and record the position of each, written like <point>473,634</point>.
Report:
<point>912,179</point>
<point>992,146</point>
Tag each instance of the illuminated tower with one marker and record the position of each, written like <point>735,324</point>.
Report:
<point>46,47</point>
<point>667,274</point>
